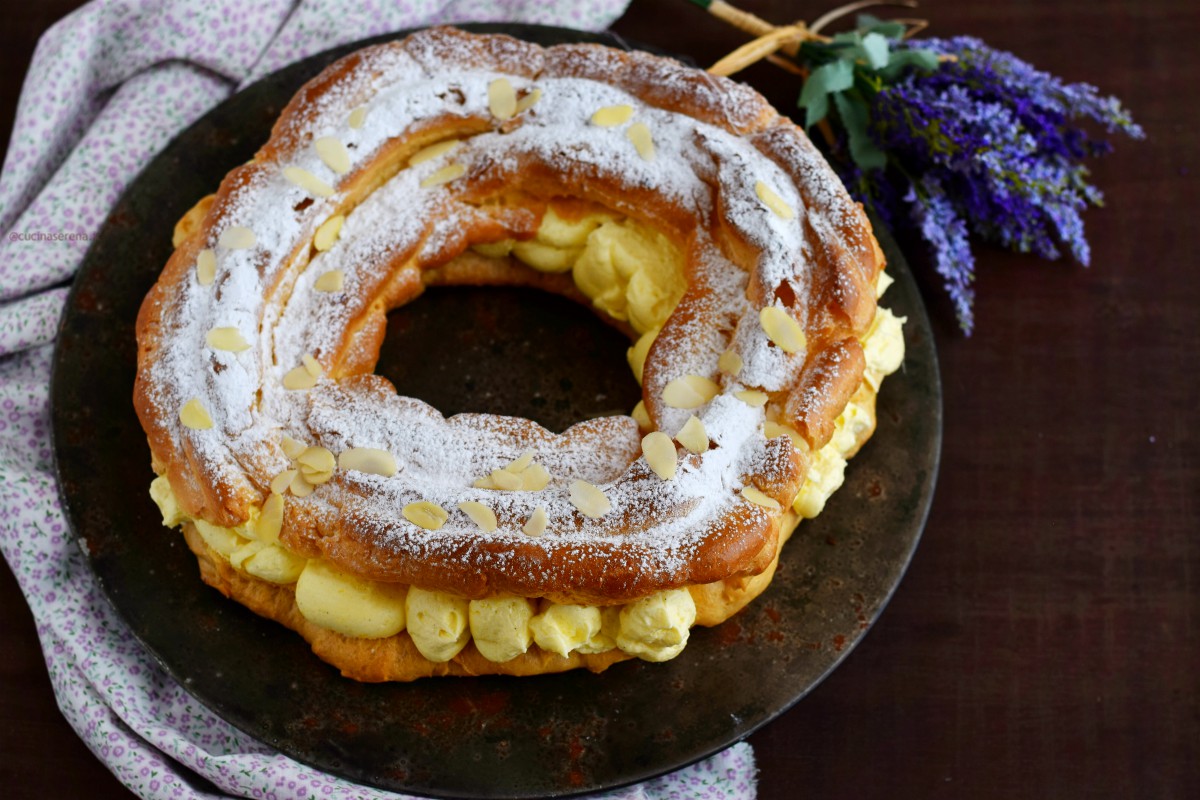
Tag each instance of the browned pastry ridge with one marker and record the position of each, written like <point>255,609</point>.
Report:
<point>421,153</point>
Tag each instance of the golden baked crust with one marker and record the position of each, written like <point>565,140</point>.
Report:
<point>821,270</point>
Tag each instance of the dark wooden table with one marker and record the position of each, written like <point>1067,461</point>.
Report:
<point>1046,641</point>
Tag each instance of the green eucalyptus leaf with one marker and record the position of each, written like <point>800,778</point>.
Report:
<point>869,23</point>
<point>924,59</point>
<point>814,89</point>
<point>847,39</point>
<point>814,98</point>
<point>904,58</point>
<point>836,76</point>
<point>815,110</point>
<point>839,76</point>
<point>898,63</point>
<point>875,49</point>
<point>816,54</point>
<point>854,116</point>
<point>890,30</point>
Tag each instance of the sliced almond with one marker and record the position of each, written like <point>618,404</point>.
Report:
<point>773,201</point>
<point>229,339</point>
<point>534,478</point>
<point>332,281</point>
<point>782,329</point>
<point>292,448</point>
<point>316,478</point>
<point>300,487</point>
<point>503,479</point>
<point>589,499</point>
<point>773,430</point>
<point>206,267</point>
<point>433,151</point>
<point>335,155</point>
<point>611,116</point>
<point>357,117</point>
<point>312,366</point>
<point>760,499</point>
<point>444,175</point>
<point>270,520</point>
<point>693,436</point>
<point>730,363</point>
<point>299,378</point>
<point>643,140</point>
<point>316,464</point>
<point>327,234</point>
<point>480,514</point>
<point>636,355</point>
<point>502,99</point>
<point>640,416</point>
<point>369,460</point>
<point>690,391</point>
<point>281,482</point>
<point>752,397</point>
<point>519,464</point>
<point>660,454</point>
<point>425,514</point>
<point>527,102</point>
<point>195,416</point>
<point>536,526</point>
<point>237,237</point>
<point>307,181</point>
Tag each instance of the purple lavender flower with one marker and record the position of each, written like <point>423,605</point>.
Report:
<point>1037,94</point>
<point>941,226</point>
<point>984,144</point>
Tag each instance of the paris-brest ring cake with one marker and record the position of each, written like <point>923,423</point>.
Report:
<point>401,543</point>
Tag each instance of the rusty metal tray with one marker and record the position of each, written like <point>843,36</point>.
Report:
<point>482,737</point>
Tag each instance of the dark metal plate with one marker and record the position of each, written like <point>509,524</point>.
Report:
<point>483,737</point>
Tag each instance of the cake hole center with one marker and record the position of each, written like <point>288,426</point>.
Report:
<point>508,351</point>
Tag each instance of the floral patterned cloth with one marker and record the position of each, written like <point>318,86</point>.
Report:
<point>109,86</point>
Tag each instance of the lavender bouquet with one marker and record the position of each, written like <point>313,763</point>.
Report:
<point>948,135</point>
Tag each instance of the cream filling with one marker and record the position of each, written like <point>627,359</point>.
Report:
<point>633,274</point>
<point>500,626</point>
<point>441,624</point>
<point>360,608</point>
<point>628,270</point>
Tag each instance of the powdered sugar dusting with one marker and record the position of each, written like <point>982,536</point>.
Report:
<point>267,292</point>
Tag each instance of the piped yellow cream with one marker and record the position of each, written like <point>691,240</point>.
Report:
<point>564,628</point>
<point>363,609</point>
<point>656,628</point>
<point>164,498</point>
<point>438,623</point>
<point>630,271</point>
<point>500,626</point>
<point>268,561</point>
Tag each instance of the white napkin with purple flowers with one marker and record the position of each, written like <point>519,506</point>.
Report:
<point>109,86</point>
